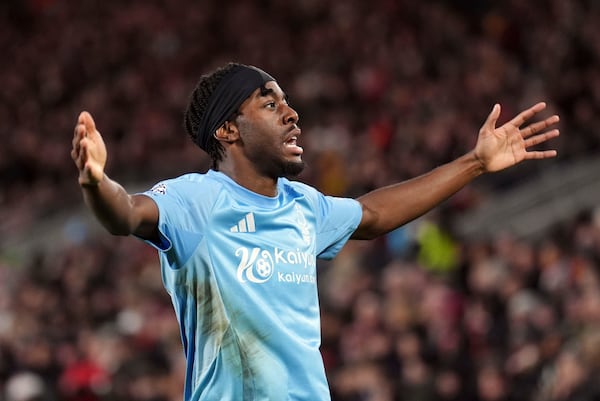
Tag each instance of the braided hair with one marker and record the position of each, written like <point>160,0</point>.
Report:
<point>197,107</point>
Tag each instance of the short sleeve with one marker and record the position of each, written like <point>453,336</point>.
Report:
<point>338,219</point>
<point>179,228</point>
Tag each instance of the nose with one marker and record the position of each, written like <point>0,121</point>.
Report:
<point>290,116</point>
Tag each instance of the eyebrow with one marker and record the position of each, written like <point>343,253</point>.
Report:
<point>264,91</point>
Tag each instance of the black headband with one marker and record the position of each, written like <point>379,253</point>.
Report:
<point>231,92</point>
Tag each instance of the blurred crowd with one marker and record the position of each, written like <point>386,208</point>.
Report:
<point>386,90</point>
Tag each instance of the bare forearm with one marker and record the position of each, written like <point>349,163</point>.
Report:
<point>111,205</point>
<point>390,207</point>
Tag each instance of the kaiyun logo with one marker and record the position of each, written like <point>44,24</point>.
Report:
<point>258,265</point>
<point>255,266</point>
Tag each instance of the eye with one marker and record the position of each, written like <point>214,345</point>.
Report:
<point>270,105</point>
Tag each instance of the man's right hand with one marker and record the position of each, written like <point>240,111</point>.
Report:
<point>89,151</point>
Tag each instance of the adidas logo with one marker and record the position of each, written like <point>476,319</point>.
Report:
<point>245,225</point>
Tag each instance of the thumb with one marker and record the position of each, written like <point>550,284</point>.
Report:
<point>492,118</point>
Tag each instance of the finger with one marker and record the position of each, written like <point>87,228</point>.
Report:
<point>539,126</point>
<point>83,155</point>
<point>492,118</point>
<point>77,156</point>
<point>536,140</point>
<point>86,119</point>
<point>543,154</point>
<point>79,132</point>
<point>75,148</point>
<point>527,114</point>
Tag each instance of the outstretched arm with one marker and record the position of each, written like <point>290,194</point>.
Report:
<point>119,212</point>
<point>497,148</point>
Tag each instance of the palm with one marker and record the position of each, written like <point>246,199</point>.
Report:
<point>505,146</point>
<point>96,160</point>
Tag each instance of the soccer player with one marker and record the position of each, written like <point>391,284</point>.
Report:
<point>238,244</point>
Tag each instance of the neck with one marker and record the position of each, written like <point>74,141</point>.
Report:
<point>250,179</point>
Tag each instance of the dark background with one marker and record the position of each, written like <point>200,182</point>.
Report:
<point>386,90</point>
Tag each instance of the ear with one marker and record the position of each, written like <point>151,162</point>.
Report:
<point>228,132</point>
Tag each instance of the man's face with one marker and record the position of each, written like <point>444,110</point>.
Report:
<point>269,131</point>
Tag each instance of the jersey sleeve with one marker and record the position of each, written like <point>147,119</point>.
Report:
<point>338,219</point>
<point>179,230</point>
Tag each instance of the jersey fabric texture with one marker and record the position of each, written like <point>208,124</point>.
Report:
<point>241,272</point>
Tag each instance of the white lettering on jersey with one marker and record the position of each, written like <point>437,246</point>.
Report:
<point>258,265</point>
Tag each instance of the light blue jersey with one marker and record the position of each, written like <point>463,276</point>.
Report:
<point>241,272</point>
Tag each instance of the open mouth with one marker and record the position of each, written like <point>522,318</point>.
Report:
<point>292,145</point>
